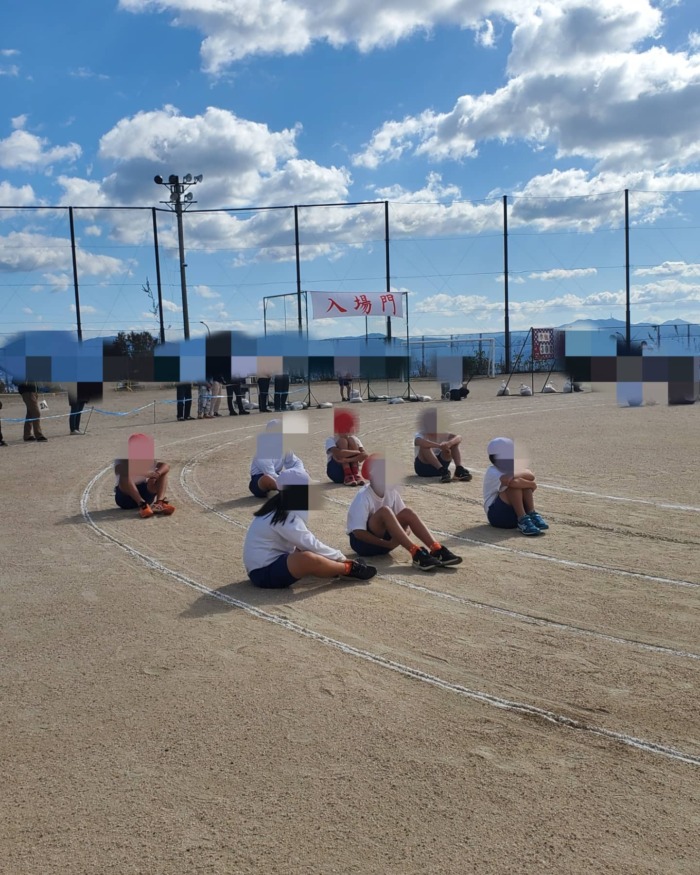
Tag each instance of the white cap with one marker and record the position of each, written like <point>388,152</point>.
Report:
<point>292,477</point>
<point>501,448</point>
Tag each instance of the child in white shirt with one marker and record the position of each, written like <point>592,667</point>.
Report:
<point>436,449</point>
<point>279,549</point>
<point>508,494</point>
<point>379,521</point>
<point>269,462</point>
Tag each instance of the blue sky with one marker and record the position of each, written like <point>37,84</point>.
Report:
<point>440,107</point>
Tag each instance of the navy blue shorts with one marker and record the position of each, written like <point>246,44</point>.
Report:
<point>276,575</point>
<point>335,472</point>
<point>126,502</point>
<point>362,548</point>
<point>423,469</point>
<point>502,515</point>
<point>254,488</point>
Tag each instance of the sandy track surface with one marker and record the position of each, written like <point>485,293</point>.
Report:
<point>534,709</point>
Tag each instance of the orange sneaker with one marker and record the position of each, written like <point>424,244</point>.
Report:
<point>145,511</point>
<point>163,507</point>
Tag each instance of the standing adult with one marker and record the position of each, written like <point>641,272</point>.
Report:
<point>76,402</point>
<point>236,387</point>
<point>184,401</point>
<point>32,421</point>
<point>2,442</point>
<point>263,392</point>
<point>281,391</point>
<point>216,389</point>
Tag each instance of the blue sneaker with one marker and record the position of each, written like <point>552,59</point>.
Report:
<point>541,523</point>
<point>527,526</point>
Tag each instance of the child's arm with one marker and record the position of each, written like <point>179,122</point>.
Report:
<point>426,444</point>
<point>521,480</point>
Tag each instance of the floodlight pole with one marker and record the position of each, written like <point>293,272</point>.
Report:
<point>75,273</point>
<point>505,284</point>
<point>297,256</point>
<point>177,190</point>
<point>628,319</point>
<point>388,266</point>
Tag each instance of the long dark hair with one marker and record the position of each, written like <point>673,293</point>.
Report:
<point>280,505</point>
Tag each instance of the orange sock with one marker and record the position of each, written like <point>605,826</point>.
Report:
<point>414,549</point>
<point>348,566</point>
<point>435,546</point>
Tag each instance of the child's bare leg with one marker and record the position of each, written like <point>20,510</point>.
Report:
<point>130,489</point>
<point>385,520</point>
<point>426,454</point>
<point>159,486</point>
<point>267,484</point>
<point>457,455</point>
<point>514,497</point>
<point>528,500</point>
<point>410,518</point>
<point>303,563</point>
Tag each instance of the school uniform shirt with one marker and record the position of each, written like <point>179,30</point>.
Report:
<point>366,502</point>
<point>331,445</point>
<point>264,542</point>
<point>492,486</point>
<point>273,467</point>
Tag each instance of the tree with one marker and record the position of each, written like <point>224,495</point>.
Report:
<point>134,343</point>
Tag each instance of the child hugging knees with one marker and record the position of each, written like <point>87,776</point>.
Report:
<point>509,493</point>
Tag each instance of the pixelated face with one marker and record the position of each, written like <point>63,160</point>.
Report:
<point>345,422</point>
<point>432,421</point>
<point>383,473</point>
<point>141,455</point>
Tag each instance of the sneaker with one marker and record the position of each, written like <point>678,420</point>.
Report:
<point>446,557</point>
<point>425,561</point>
<point>461,473</point>
<point>541,523</point>
<point>359,481</point>
<point>42,438</point>
<point>446,477</point>
<point>350,481</point>
<point>145,511</point>
<point>3,444</point>
<point>527,527</point>
<point>30,438</point>
<point>163,507</point>
<point>361,571</point>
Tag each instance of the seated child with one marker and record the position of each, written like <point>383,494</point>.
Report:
<point>379,521</point>
<point>508,494</point>
<point>344,451</point>
<point>143,491</point>
<point>435,450</point>
<point>279,549</point>
<point>264,468</point>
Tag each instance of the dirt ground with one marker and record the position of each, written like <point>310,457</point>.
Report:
<point>535,709</point>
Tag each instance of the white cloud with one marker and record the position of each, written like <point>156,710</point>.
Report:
<point>8,53</point>
<point>93,231</point>
<point>19,121</point>
<point>26,252</point>
<point>28,311</point>
<point>24,150</point>
<point>171,307</point>
<point>10,70</point>
<point>562,274</point>
<point>678,268</point>
<point>240,28</point>
<point>578,84</point>
<point>85,309</point>
<point>205,292</point>
<point>21,196</point>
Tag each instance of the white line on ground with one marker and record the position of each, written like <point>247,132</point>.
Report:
<point>381,661</point>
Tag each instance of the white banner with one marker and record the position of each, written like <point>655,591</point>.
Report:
<point>330,305</point>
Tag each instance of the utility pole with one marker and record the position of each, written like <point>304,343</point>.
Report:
<point>180,199</point>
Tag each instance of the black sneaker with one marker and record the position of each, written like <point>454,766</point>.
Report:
<point>30,438</point>
<point>361,571</point>
<point>42,438</point>
<point>425,561</point>
<point>3,444</point>
<point>446,557</point>
<point>446,477</point>
<point>461,473</point>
